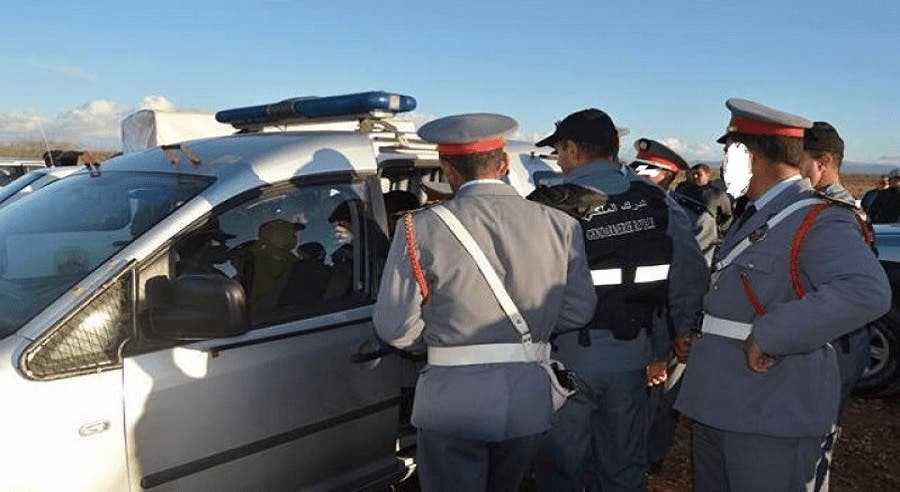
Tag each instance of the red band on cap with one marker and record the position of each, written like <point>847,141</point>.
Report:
<point>471,147</point>
<point>662,161</point>
<point>754,127</point>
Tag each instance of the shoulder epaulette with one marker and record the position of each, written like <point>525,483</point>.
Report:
<point>571,198</point>
<point>836,201</point>
<point>425,206</point>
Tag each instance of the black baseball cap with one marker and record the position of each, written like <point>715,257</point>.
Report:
<point>588,126</point>
<point>824,138</point>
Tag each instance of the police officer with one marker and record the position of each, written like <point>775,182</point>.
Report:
<point>823,153</point>
<point>702,189</point>
<point>661,165</point>
<point>479,423</point>
<point>637,239</point>
<point>762,384</point>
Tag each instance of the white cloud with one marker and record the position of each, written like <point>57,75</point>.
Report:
<point>18,123</point>
<point>527,136</point>
<point>159,103</point>
<point>69,70</point>
<point>94,124</point>
<point>96,120</point>
<point>418,119</point>
<point>693,151</point>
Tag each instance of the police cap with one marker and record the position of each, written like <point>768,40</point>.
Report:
<point>471,133</point>
<point>587,126</point>
<point>437,190</point>
<point>656,154</point>
<point>824,138</point>
<point>280,233</point>
<point>752,118</point>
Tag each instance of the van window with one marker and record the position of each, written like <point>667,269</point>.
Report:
<point>296,250</point>
<point>51,239</point>
<point>88,341</point>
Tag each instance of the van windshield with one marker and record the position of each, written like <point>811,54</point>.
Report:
<point>51,239</point>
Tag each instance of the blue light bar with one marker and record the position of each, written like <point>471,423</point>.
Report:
<point>312,108</point>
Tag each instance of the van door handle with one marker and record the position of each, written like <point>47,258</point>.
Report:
<point>361,357</point>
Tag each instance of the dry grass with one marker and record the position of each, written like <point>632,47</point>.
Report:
<point>34,149</point>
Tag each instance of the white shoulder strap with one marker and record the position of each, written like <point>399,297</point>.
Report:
<point>464,237</point>
<point>741,246</point>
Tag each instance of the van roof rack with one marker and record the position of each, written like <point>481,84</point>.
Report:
<point>369,108</point>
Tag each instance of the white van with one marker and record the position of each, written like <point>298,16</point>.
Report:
<point>197,316</point>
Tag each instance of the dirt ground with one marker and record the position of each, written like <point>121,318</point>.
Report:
<point>867,455</point>
<point>866,458</point>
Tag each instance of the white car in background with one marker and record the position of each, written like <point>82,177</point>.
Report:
<point>32,181</point>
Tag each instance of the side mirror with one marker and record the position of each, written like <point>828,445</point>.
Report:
<point>201,307</point>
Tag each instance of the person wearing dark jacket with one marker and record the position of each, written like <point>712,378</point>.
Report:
<point>885,206</point>
<point>883,183</point>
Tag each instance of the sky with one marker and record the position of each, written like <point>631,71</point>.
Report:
<point>663,69</point>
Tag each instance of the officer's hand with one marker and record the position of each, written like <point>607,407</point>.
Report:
<point>656,373</point>
<point>757,360</point>
<point>682,346</point>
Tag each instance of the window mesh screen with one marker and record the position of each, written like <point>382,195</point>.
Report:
<point>87,342</point>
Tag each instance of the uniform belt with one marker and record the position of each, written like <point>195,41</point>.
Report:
<point>488,353</point>
<point>726,328</point>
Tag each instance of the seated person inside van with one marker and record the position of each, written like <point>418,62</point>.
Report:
<point>342,258</point>
<point>201,250</point>
<point>272,256</point>
<point>308,278</point>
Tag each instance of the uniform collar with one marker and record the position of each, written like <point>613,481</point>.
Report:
<point>479,181</point>
<point>791,190</point>
<point>601,165</point>
<point>485,187</point>
<point>774,191</point>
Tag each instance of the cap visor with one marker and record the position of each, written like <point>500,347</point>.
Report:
<point>548,142</point>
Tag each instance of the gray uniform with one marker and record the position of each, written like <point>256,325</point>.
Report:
<point>759,431</point>
<point>538,252</point>
<point>706,231</point>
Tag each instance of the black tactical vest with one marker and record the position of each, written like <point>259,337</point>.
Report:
<point>627,247</point>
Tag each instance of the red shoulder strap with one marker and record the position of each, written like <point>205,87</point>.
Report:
<point>413,254</point>
<point>799,237</point>
<point>797,243</point>
<point>802,231</point>
<point>866,230</point>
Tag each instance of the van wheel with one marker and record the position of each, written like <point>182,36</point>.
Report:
<point>882,377</point>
